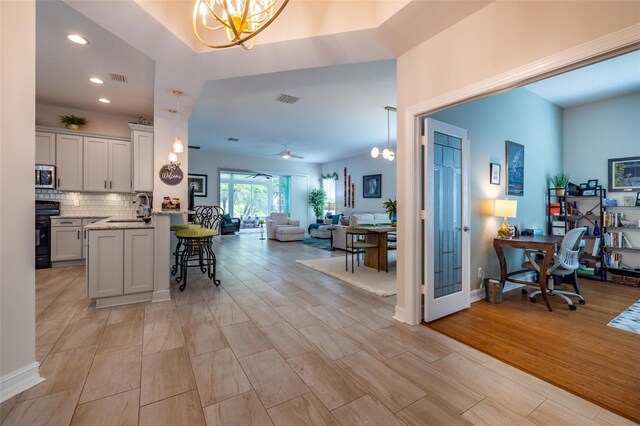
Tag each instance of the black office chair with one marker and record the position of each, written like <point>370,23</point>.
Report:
<point>565,263</point>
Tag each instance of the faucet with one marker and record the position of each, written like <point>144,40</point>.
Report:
<point>141,206</point>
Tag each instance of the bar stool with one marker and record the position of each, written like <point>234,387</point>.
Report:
<point>358,245</point>
<point>197,253</point>
<point>176,253</point>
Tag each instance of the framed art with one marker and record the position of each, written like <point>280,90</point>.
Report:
<point>199,182</point>
<point>583,186</point>
<point>372,186</point>
<point>638,200</point>
<point>592,184</point>
<point>494,174</point>
<point>624,174</point>
<point>515,169</point>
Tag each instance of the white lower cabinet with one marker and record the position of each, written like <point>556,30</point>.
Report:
<point>120,262</point>
<point>66,243</point>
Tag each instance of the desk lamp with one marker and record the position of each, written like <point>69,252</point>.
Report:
<point>505,208</point>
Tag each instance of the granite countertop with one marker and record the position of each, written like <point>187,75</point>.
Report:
<point>117,223</point>
<point>80,216</point>
<point>171,212</point>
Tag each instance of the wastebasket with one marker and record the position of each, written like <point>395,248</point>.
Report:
<point>493,290</point>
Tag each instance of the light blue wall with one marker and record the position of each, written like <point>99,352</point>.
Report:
<point>519,116</point>
<point>597,131</point>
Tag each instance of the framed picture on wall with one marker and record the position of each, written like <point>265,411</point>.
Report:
<point>515,168</point>
<point>199,182</point>
<point>494,174</point>
<point>372,186</point>
<point>624,174</point>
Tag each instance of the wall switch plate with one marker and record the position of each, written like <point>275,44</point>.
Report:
<point>480,273</point>
<point>76,203</point>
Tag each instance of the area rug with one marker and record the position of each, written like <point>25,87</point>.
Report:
<point>319,243</point>
<point>368,279</point>
<point>629,319</point>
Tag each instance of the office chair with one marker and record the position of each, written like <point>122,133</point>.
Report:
<point>564,263</point>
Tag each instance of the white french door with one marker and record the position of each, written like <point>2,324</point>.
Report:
<point>446,228</point>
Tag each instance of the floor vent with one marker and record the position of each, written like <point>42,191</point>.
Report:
<point>287,99</point>
<point>118,77</point>
<point>233,139</point>
<point>194,147</point>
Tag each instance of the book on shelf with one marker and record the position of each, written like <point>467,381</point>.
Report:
<point>617,240</point>
<point>596,247</point>
<point>626,242</point>
<point>613,260</point>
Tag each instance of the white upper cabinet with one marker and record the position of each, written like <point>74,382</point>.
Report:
<point>96,164</point>
<point>142,161</point>
<point>119,166</point>
<point>46,148</point>
<point>69,162</point>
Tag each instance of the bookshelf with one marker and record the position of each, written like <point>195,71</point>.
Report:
<point>571,211</point>
<point>621,237</point>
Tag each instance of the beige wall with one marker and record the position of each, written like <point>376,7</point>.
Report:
<point>499,38</point>
<point>17,154</point>
<point>97,122</point>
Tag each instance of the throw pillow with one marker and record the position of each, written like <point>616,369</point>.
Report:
<point>336,219</point>
<point>226,216</point>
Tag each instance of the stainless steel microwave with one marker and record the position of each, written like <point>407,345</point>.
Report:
<point>45,176</point>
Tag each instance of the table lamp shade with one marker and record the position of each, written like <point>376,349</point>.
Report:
<point>329,206</point>
<point>505,208</point>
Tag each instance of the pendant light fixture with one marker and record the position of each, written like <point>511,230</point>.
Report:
<point>177,146</point>
<point>241,20</point>
<point>387,153</point>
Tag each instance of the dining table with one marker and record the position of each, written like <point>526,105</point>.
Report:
<point>377,257</point>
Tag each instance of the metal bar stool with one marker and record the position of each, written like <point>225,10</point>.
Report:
<point>176,253</point>
<point>358,246</point>
<point>197,253</point>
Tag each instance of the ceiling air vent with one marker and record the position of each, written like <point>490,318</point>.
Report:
<point>287,99</point>
<point>233,139</point>
<point>118,77</point>
<point>194,147</point>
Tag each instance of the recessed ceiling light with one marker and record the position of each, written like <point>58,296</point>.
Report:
<point>104,100</point>
<point>77,39</point>
<point>96,80</point>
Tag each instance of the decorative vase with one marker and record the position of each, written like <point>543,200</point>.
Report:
<point>560,192</point>
<point>72,126</point>
<point>393,219</point>
<point>596,230</point>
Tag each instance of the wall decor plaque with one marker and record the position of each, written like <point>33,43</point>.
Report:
<point>171,174</point>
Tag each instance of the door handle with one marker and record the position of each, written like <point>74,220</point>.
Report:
<point>78,234</point>
<point>58,182</point>
<point>37,237</point>
<point>105,184</point>
<point>110,184</point>
<point>466,228</point>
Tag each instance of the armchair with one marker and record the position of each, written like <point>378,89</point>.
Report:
<point>229,225</point>
<point>280,227</point>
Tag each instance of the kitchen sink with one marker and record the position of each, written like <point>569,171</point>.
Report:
<point>125,220</point>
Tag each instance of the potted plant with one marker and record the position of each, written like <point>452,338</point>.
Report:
<point>560,182</point>
<point>72,121</point>
<point>390,207</point>
<point>317,198</point>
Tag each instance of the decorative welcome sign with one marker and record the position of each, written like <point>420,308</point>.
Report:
<point>171,174</point>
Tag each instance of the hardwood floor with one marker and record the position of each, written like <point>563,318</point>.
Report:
<point>277,344</point>
<point>574,350</point>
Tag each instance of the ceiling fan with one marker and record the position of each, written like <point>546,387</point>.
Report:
<point>286,154</point>
<point>257,175</point>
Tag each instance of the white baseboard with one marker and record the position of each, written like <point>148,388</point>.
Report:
<point>19,381</point>
<point>477,294</point>
<point>161,296</point>
<point>400,314</point>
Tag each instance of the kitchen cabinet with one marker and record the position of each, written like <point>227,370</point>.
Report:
<point>107,165</point>
<point>142,161</point>
<point>66,239</point>
<point>138,264</point>
<point>119,166</point>
<point>85,241</point>
<point>46,148</point>
<point>120,262</point>
<point>96,164</point>
<point>69,162</point>
<point>105,266</point>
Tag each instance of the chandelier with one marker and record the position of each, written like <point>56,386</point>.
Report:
<point>242,20</point>
<point>387,154</point>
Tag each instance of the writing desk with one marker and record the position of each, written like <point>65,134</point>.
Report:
<point>545,244</point>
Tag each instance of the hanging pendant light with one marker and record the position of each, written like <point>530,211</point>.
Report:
<point>177,146</point>
<point>240,20</point>
<point>387,153</point>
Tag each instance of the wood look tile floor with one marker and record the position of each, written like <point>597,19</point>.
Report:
<point>276,344</point>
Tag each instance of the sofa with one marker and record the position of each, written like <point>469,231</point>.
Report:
<point>229,225</point>
<point>281,228</point>
<point>357,219</point>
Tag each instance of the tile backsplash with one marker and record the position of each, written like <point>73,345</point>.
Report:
<point>90,204</point>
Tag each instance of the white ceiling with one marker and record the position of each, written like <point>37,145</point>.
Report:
<point>607,79</point>
<point>63,68</point>
<point>340,112</point>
